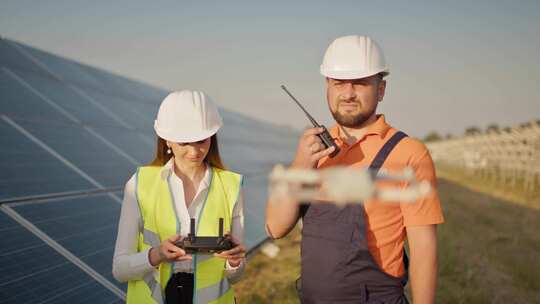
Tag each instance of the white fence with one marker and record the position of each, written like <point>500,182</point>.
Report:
<point>505,156</point>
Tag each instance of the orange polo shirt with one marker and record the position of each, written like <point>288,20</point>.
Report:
<point>386,221</point>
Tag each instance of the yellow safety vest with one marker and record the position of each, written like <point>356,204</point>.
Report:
<point>160,222</point>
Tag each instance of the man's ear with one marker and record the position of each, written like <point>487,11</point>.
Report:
<point>381,90</point>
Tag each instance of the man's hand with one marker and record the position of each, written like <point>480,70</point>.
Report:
<point>310,149</point>
<point>282,213</point>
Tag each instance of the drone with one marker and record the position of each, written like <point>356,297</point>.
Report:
<point>345,185</point>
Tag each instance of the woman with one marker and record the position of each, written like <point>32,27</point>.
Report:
<point>186,180</point>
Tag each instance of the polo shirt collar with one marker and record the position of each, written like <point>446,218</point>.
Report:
<point>379,127</point>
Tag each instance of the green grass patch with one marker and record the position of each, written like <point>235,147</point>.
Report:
<point>489,252</point>
<point>507,191</point>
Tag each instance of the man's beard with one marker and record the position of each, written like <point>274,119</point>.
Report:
<point>351,121</point>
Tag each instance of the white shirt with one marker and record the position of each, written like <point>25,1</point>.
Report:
<point>128,264</point>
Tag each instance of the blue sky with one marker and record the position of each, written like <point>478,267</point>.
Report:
<point>453,65</point>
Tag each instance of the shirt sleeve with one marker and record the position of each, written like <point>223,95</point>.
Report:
<point>234,273</point>
<point>427,210</point>
<point>128,264</point>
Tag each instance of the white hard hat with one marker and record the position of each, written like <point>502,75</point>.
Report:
<point>353,57</point>
<point>187,116</point>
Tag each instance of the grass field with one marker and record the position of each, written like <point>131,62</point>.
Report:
<point>514,194</point>
<point>489,252</point>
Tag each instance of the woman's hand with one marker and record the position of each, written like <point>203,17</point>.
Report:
<point>168,252</point>
<point>235,255</point>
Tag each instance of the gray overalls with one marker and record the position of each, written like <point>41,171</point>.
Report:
<point>337,266</point>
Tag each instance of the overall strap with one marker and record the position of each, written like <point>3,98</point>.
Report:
<point>382,155</point>
<point>374,168</point>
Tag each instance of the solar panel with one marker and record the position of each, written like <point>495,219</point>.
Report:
<point>86,226</point>
<point>81,148</point>
<point>81,108</point>
<point>19,101</point>
<point>87,77</point>
<point>134,114</point>
<point>32,272</point>
<point>140,146</point>
<point>255,187</point>
<point>10,57</point>
<point>71,136</point>
<point>27,170</point>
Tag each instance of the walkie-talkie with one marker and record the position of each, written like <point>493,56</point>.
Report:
<point>325,136</point>
<point>205,244</point>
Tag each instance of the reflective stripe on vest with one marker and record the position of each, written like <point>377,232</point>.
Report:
<point>160,222</point>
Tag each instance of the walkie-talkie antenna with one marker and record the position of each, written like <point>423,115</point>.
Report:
<point>325,136</point>
<point>315,124</point>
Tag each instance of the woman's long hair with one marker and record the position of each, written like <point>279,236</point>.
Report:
<point>212,158</point>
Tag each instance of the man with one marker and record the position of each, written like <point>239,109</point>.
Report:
<point>356,254</point>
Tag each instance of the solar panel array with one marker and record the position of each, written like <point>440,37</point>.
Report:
<point>71,136</point>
